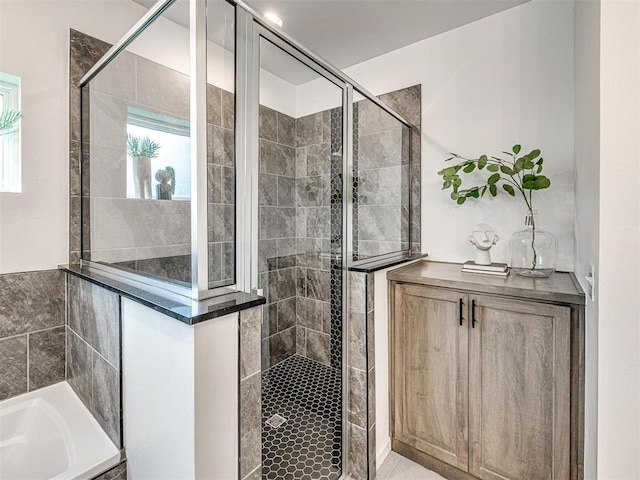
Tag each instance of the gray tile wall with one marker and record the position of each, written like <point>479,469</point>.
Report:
<point>93,352</point>
<point>361,367</point>
<point>250,394</point>
<point>119,472</point>
<point>32,340</point>
<point>277,234</point>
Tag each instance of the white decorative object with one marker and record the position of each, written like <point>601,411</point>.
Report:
<point>483,238</point>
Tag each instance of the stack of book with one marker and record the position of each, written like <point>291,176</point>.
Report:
<point>499,269</point>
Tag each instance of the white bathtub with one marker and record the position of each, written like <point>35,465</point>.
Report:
<point>50,434</point>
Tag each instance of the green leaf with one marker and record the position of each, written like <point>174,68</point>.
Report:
<point>461,200</point>
<point>469,168</point>
<point>493,167</point>
<point>493,178</point>
<point>475,194</point>
<point>542,182</point>
<point>509,189</point>
<point>519,165</point>
<point>528,164</point>
<point>482,162</point>
<point>493,190</point>
<point>539,170</point>
<point>529,181</point>
<point>447,171</point>
<point>539,162</point>
<point>454,195</point>
<point>534,154</point>
<point>484,189</point>
<point>506,170</point>
<point>516,149</point>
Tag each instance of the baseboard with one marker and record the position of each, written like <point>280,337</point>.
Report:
<point>383,451</point>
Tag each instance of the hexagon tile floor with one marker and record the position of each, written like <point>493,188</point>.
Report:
<point>308,445</point>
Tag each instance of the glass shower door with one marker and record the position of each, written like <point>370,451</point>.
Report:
<point>300,225</point>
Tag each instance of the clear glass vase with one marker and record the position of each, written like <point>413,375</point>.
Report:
<point>534,252</point>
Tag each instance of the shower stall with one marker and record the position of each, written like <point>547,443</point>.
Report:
<point>218,154</point>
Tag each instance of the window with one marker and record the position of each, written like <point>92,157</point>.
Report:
<point>172,136</point>
<point>10,177</point>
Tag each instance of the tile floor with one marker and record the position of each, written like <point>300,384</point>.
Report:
<point>397,467</point>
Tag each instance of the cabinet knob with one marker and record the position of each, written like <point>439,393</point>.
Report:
<point>460,311</point>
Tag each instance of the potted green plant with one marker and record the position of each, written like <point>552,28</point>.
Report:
<point>8,120</point>
<point>533,251</point>
<point>142,150</point>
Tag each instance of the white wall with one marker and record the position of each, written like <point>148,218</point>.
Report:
<point>34,44</point>
<point>587,164</point>
<point>501,80</point>
<point>619,325</point>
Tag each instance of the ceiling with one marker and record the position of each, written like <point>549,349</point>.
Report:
<point>348,32</point>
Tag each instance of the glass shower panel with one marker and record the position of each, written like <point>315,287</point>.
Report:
<point>221,191</point>
<point>136,155</point>
<point>381,188</point>
<point>299,263</point>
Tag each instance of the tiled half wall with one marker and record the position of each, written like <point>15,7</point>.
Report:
<point>32,332</point>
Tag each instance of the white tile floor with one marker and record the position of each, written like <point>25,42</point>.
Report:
<point>397,467</point>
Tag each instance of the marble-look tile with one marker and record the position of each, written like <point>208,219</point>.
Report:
<point>108,167</point>
<point>318,222</point>
<point>118,78</point>
<point>282,345</point>
<point>214,105</point>
<point>267,255</point>
<point>371,438</point>
<point>301,162</point>
<point>267,189</point>
<point>94,314</point>
<point>118,472</point>
<point>319,159</point>
<point>222,146</point>
<point>79,366</point>
<point>108,124</point>
<point>388,465</point>
<point>357,342</point>
<point>85,51</point>
<point>380,222</point>
<point>277,159</point>
<point>282,284</point>
<point>175,267</point>
<point>407,102</point>
<point>358,446</point>
<point>46,357</point>
<point>286,191</point>
<point>358,397</point>
<point>277,222</point>
<point>380,150</point>
<point>74,168</point>
<point>357,291</point>
<point>286,130</point>
<point>250,425</point>
<point>301,341</point>
<point>318,346</point>
<point>270,321</point>
<point>286,314</point>
<point>309,130</point>
<point>301,281</point>
<point>162,88</point>
<point>31,301</point>
<point>221,222</point>
<point>215,261</point>
<point>371,396</point>
<point>319,285</point>
<point>13,374</point>
<point>228,186</point>
<point>301,222</point>
<point>370,283</point>
<point>250,335</point>
<point>105,397</point>
<point>228,109</point>
<point>405,469</point>
<point>229,261</point>
<point>286,252</point>
<point>311,191</point>
<point>267,123</point>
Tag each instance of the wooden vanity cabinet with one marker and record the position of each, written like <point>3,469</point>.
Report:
<point>487,374</point>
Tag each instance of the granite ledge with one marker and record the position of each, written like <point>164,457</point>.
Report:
<point>374,264</point>
<point>187,312</point>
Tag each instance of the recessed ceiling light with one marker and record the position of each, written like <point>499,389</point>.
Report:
<point>273,18</point>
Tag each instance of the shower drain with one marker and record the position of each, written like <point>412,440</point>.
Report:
<point>276,420</point>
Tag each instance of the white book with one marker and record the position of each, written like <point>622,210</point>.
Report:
<point>494,267</point>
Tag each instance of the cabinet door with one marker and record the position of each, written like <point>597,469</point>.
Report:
<point>430,350</point>
<point>519,388</point>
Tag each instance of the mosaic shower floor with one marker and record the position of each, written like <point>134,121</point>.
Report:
<point>308,444</point>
